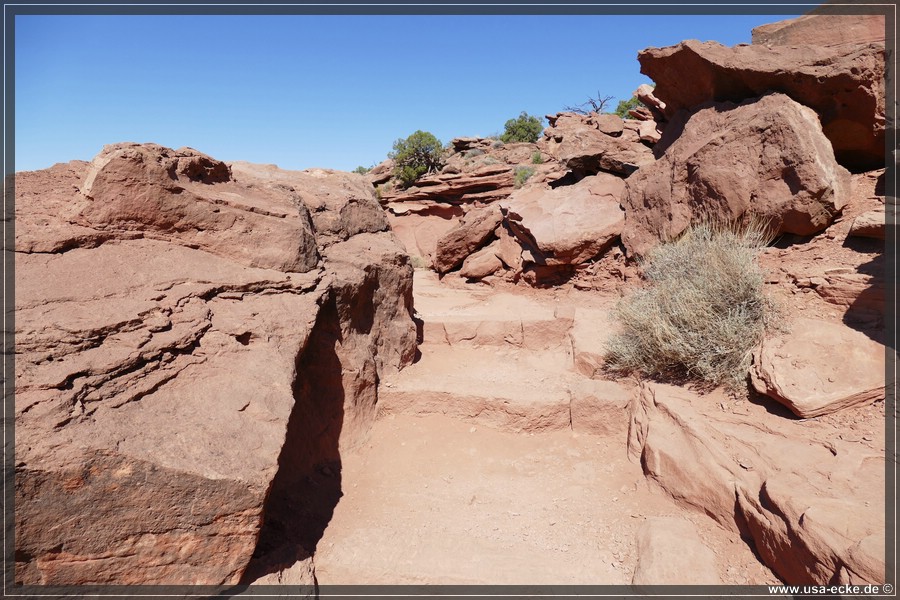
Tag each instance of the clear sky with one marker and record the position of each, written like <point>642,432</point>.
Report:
<point>318,91</point>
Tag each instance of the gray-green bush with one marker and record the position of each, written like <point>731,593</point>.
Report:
<point>702,312</point>
<point>522,174</point>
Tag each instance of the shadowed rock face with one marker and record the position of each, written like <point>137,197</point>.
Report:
<point>165,302</point>
<point>844,84</point>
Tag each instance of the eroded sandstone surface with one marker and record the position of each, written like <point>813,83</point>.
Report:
<point>191,337</point>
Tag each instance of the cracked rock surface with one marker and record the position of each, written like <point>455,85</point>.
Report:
<point>165,303</point>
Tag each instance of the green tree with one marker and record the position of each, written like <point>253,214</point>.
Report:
<point>525,128</point>
<point>625,105</point>
<point>415,156</point>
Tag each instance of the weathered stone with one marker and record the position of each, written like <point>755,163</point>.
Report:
<point>649,132</point>
<point>576,142</point>
<point>765,157</point>
<point>481,263</point>
<point>869,224</point>
<point>809,498</point>
<point>185,197</point>
<point>475,228</point>
<point>570,224</point>
<point>170,397</point>
<point>821,30</point>
<point>819,368</point>
<point>843,84</point>
<point>670,552</point>
<point>609,124</point>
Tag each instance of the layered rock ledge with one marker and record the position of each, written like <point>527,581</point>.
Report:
<point>194,341</point>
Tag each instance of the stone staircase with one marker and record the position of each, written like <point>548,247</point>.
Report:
<point>507,361</point>
<point>497,459</point>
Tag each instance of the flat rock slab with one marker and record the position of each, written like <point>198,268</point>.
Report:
<point>870,224</point>
<point>820,367</point>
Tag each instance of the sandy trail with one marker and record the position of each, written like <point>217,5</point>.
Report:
<point>450,490</point>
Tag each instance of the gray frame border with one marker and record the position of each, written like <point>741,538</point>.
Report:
<point>530,7</point>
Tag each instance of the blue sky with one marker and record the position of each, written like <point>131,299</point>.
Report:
<point>307,91</point>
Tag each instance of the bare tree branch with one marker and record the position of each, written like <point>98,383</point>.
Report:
<point>598,104</point>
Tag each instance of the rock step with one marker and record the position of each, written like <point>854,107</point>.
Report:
<point>506,389</point>
<point>484,317</point>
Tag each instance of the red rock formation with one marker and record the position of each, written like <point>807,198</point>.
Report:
<point>844,84</point>
<point>821,30</point>
<point>471,233</point>
<point>588,144</point>
<point>819,368</point>
<point>811,500</point>
<point>193,338</point>
<point>765,157</point>
<point>568,225</point>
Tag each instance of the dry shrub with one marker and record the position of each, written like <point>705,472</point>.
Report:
<point>702,311</point>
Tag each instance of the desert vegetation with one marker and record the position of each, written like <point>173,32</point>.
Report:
<point>702,312</point>
<point>524,128</point>
<point>415,156</point>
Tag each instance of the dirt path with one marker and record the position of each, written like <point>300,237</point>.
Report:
<point>474,473</point>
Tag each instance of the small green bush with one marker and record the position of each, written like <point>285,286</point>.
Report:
<point>525,128</point>
<point>490,160</point>
<point>625,105</point>
<point>361,170</point>
<point>537,158</point>
<point>473,152</point>
<point>522,174</point>
<point>702,312</point>
<point>415,156</point>
<point>497,144</point>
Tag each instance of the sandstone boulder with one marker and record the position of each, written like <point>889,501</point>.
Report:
<point>177,381</point>
<point>473,230</point>
<point>649,132</point>
<point>654,105</point>
<point>587,145</point>
<point>182,196</point>
<point>481,263</point>
<point>570,224</point>
<point>766,157</point>
<point>869,224</point>
<point>843,84</point>
<point>819,368</point>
